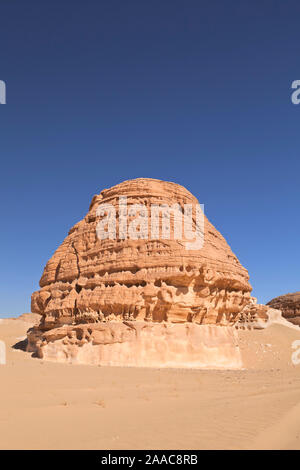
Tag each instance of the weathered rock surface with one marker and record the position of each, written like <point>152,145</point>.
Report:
<point>110,285</point>
<point>151,344</point>
<point>88,279</point>
<point>141,344</point>
<point>289,304</point>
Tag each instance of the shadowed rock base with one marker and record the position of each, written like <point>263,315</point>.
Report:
<point>140,344</point>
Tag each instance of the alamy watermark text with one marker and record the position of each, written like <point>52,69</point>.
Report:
<point>140,221</point>
<point>2,92</point>
<point>295,97</point>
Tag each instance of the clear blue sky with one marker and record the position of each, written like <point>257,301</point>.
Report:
<point>196,92</point>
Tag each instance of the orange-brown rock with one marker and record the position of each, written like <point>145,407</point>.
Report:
<point>289,305</point>
<point>154,280</point>
<point>88,279</point>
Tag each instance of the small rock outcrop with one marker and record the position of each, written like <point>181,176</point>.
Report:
<point>289,305</point>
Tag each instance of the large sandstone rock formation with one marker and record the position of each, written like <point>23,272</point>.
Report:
<point>103,289</point>
<point>289,304</point>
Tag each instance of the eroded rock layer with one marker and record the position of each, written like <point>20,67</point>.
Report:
<point>90,280</point>
<point>289,305</point>
<point>140,344</point>
<point>152,344</point>
<point>145,301</point>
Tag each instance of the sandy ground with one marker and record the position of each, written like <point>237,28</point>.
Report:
<point>58,406</point>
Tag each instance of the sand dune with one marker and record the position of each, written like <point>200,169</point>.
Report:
<point>46,405</point>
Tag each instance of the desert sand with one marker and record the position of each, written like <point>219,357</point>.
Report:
<point>48,405</point>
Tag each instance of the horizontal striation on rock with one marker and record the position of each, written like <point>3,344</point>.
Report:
<point>91,280</point>
<point>289,304</point>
